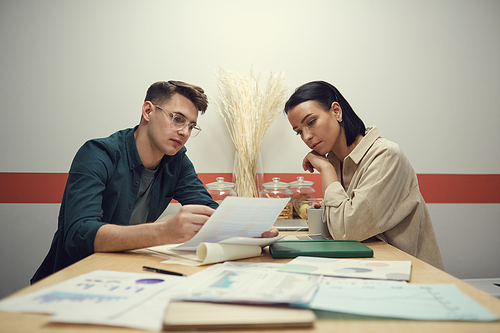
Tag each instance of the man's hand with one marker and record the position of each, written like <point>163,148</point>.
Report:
<point>273,232</point>
<point>182,226</point>
<point>169,230</point>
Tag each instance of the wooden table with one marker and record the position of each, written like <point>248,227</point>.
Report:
<point>327,322</point>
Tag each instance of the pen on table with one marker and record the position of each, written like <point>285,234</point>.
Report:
<point>157,270</point>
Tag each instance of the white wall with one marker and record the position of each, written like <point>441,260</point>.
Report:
<point>425,72</point>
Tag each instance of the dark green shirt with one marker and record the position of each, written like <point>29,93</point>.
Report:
<point>102,187</point>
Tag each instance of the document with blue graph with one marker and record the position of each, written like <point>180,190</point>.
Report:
<point>135,300</point>
<point>405,301</point>
<point>257,283</point>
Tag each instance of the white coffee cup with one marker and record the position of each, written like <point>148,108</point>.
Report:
<point>316,223</point>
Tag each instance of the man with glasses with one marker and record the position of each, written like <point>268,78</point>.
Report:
<point>119,183</point>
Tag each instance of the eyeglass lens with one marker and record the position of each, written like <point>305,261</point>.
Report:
<point>179,121</point>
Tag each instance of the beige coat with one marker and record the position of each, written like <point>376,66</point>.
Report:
<point>380,197</point>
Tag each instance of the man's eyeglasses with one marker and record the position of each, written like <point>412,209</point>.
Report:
<point>179,122</point>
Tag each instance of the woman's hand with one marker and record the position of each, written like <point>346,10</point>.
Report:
<point>314,161</point>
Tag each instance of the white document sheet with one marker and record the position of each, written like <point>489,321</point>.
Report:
<point>238,217</point>
<point>136,300</point>
<point>257,283</point>
<point>406,301</point>
<point>353,268</point>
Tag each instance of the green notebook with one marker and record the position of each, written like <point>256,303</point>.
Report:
<point>320,248</point>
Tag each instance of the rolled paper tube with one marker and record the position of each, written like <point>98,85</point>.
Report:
<point>210,253</point>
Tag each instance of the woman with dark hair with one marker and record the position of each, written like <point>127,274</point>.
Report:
<point>369,186</point>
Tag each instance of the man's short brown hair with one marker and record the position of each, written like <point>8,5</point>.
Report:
<point>162,91</point>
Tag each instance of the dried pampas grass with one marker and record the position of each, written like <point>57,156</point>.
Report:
<point>248,112</point>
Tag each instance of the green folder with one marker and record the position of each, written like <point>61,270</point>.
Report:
<point>329,248</point>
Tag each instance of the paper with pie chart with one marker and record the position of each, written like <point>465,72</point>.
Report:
<point>102,297</point>
<point>351,268</point>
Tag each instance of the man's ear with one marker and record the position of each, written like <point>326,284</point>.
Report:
<point>337,111</point>
<point>147,109</point>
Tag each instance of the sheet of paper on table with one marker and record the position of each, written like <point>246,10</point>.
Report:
<point>259,283</point>
<point>136,300</point>
<point>405,301</point>
<point>353,268</point>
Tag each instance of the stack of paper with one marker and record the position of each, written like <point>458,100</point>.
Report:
<point>258,293</point>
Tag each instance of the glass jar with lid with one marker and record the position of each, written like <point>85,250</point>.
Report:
<point>221,189</point>
<point>278,189</point>
<point>301,190</point>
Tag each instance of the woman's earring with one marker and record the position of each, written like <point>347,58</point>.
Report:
<point>340,120</point>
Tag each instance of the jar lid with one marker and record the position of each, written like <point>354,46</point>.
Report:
<point>220,184</point>
<point>300,182</point>
<point>276,184</point>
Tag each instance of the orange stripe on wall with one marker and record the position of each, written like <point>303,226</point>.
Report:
<point>23,187</point>
<point>41,188</point>
<point>451,188</point>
